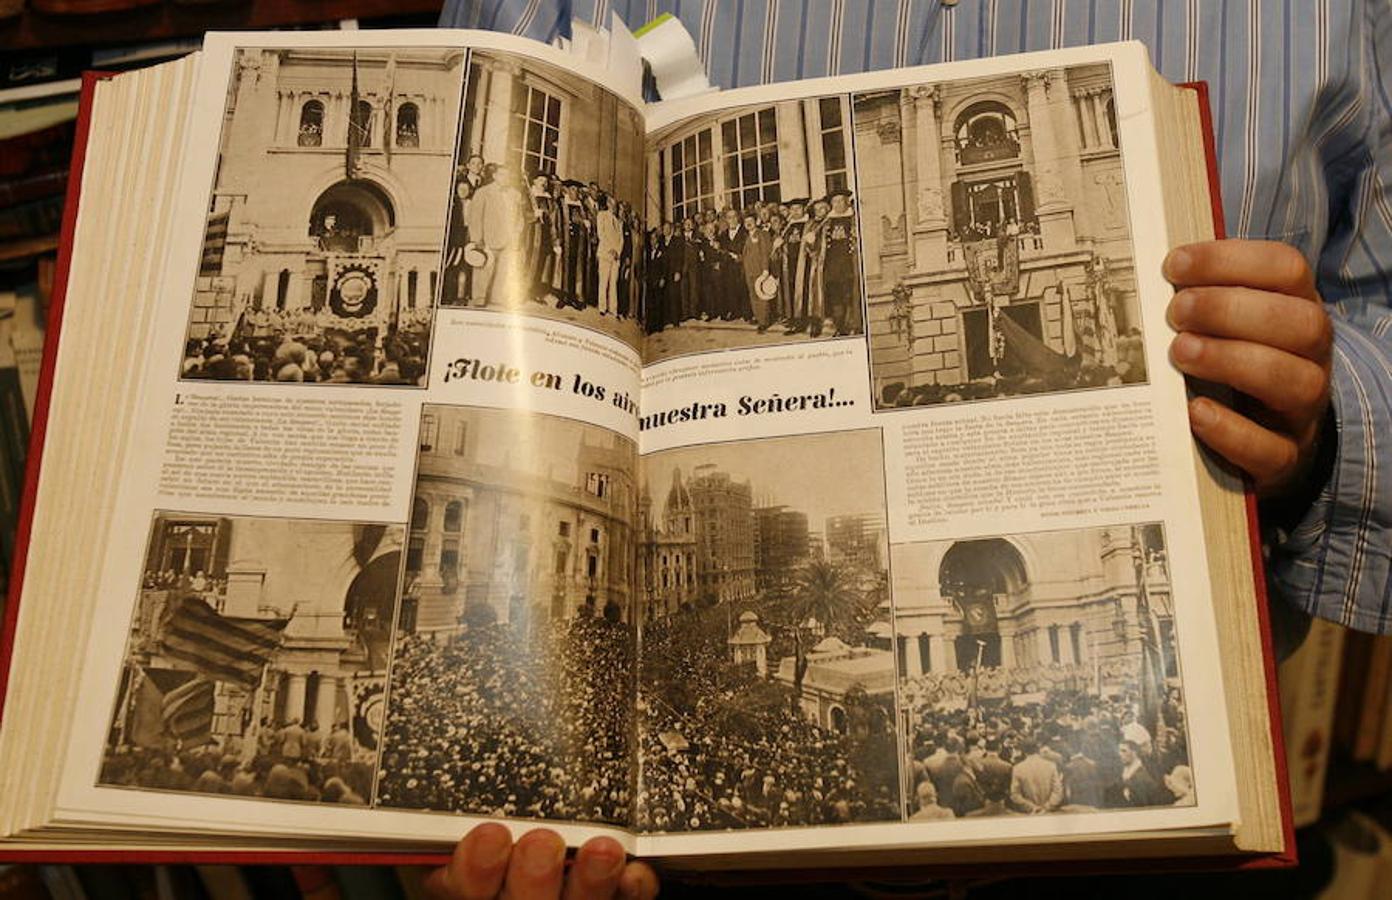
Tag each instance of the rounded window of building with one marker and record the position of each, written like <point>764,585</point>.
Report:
<point>986,132</point>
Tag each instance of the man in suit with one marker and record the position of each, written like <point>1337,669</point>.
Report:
<point>1138,786</point>
<point>497,225</point>
<point>758,246</point>
<point>733,302</point>
<point>541,249</point>
<point>609,242</point>
<point>1035,783</point>
<point>575,237</point>
<point>1082,784</point>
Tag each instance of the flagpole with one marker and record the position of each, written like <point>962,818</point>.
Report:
<point>251,739</point>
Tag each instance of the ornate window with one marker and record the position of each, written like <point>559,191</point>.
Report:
<point>833,127</point>
<point>311,124</point>
<point>408,125</point>
<point>536,131</point>
<point>749,157</point>
<point>691,162</point>
<point>986,132</point>
<point>461,438</point>
<point>454,517</point>
<point>430,432</point>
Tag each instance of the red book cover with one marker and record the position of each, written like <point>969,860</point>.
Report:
<point>406,858</point>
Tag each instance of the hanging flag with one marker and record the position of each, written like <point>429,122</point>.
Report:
<point>1033,355</point>
<point>1152,660</point>
<point>388,131</point>
<point>222,648</point>
<point>187,711</point>
<point>357,126</point>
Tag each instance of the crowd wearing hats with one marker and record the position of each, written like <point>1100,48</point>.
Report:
<point>516,722</point>
<point>1070,753</point>
<point>709,764</point>
<point>549,241</point>
<point>291,762</point>
<point>276,346</point>
<point>791,264</point>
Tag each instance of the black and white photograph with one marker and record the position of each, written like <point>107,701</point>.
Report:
<point>512,689</point>
<point>546,218</point>
<point>321,259</point>
<point>257,658</point>
<point>1039,674</point>
<point>752,233</point>
<point>997,240</point>
<point>766,683</point>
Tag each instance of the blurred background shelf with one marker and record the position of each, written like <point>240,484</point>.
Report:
<point>164,20</point>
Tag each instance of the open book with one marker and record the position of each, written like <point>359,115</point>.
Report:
<point>783,477</point>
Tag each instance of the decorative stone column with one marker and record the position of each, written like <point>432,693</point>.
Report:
<point>937,653</point>
<point>295,696</point>
<point>913,660</point>
<point>1053,208</point>
<point>793,175</point>
<point>326,702</point>
<point>930,226</point>
<point>495,134</point>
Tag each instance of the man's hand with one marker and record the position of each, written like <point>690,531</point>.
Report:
<point>1249,317</point>
<point>486,865</point>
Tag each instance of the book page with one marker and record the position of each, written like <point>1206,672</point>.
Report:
<point>370,574</point>
<point>918,568</point>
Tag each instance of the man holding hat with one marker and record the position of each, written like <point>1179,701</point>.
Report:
<point>496,226</point>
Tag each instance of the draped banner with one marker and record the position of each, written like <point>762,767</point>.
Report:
<point>222,648</point>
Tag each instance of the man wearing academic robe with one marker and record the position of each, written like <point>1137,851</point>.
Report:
<point>790,266</point>
<point>576,243</point>
<point>626,259</point>
<point>813,309</point>
<point>541,245</point>
<point>840,274</point>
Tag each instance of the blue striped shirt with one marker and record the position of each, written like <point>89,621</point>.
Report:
<point>1302,103</point>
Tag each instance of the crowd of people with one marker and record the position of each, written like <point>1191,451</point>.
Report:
<point>550,241</point>
<point>286,349</point>
<point>290,762</point>
<point>1071,753</point>
<point>791,263</point>
<point>703,771</point>
<point>505,721</point>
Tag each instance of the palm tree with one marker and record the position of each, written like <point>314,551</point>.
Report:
<point>825,593</point>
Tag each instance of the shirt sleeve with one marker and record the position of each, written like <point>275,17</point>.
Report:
<point>1334,563</point>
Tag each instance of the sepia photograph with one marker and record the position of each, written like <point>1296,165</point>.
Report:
<point>752,232</point>
<point>257,658</point>
<point>1039,674</point>
<point>766,684</point>
<point>512,676</point>
<point>321,258</point>
<point>546,217</point>
<point>997,239</point>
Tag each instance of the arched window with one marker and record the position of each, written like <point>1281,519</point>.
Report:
<point>420,514</point>
<point>408,125</point>
<point>1112,122</point>
<point>349,211</point>
<point>986,132</point>
<point>454,516</point>
<point>311,124</point>
<point>282,288</point>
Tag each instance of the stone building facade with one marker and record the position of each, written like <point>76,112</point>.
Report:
<point>951,172</point>
<point>1065,598</point>
<point>780,151</point>
<point>301,224</point>
<point>667,552</point>
<point>524,514</point>
<point>336,582</point>
<point>724,534</point>
<point>781,545</point>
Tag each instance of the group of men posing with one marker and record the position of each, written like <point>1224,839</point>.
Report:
<point>713,265</point>
<point>552,240</point>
